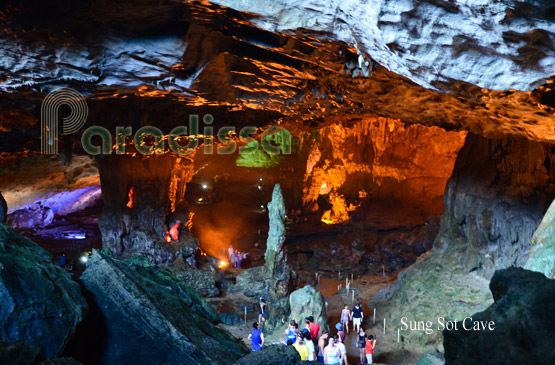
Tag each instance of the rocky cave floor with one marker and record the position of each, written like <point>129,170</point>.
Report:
<point>372,250</point>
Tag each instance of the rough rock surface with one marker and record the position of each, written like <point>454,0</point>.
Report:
<point>30,217</point>
<point>306,302</point>
<point>3,209</point>
<point>430,41</point>
<point>273,355</point>
<point>495,200</point>
<point>373,153</point>
<point>202,280</point>
<point>209,56</point>
<point>435,286</point>
<point>276,270</point>
<point>250,282</point>
<point>40,304</point>
<point>524,323</point>
<point>22,354</point>
<point>542,256</point>
<point>139,194</point>
<point>152,317</point>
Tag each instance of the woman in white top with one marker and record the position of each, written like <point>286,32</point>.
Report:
<point>332,354</point>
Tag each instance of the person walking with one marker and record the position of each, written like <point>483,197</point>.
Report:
<point>340,333</point>
<point>342,349</point>
<point>361,344</point>
<point>230,253</point>
<point>332,354</point>
<point>370,343</point>
<point>262,314</point>
<point>357,315</point>
<point>322,342</point>
<point>310,346</point>
<point>257,337</point>
<point>345,315</point>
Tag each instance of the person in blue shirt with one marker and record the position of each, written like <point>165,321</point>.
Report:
<point>291,331</point>
<point>63,260</point>
<point>257,337</point>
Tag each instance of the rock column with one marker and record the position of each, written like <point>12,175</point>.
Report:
<point>277,271</point>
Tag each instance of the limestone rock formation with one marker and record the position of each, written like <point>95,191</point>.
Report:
<point>3,209</point>
<point>30,217</point>
<point>430,41</point>
<point>435,286</point>
<point>495,200</point>
<point>373,153</point>
<point>202,280</point>
<point>22,354</point>
<point>139,194</point>
<point>273,355</point>
<point>40,304</point>
<point>152,317</point>
<point>542,256</point>
<point>306,302</point>
<point>250,282</point>
<point>276,269</point>
<point>524,323</point>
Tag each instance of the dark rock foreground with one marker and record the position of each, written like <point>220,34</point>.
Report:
<point>40,304</point>
<point>523,312</point>
<point>151,317</point>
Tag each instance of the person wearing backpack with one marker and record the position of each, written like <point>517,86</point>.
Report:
<point>370,343</point>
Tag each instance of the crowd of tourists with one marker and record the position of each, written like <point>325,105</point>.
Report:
<point>322,347</point>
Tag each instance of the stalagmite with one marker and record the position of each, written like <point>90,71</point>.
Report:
<point>278,273</point>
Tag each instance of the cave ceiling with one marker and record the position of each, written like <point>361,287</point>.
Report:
<point>479,66</point>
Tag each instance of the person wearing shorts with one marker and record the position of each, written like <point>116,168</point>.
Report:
<point>361,342</point>
<point>357,317</point>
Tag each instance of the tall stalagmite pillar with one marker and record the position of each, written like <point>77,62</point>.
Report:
<point>278,273</point>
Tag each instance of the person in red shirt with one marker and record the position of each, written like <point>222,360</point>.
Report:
<point>313,328</point>
<point>370,343</point>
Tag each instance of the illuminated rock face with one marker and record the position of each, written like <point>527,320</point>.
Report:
<point>158,184</point>
<point>379,160</point>
<point>542,256</point>
<point>493,44</point>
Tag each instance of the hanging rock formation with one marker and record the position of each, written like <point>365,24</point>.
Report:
<point>277,271</point>
<point>153,317</point>
<point>542,256</point>
<point>524,323</point>
<point>40,304</point>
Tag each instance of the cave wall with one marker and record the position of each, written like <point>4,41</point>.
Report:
<point>382,160</point>
<point>139,194</point>
<point>495,200</point>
